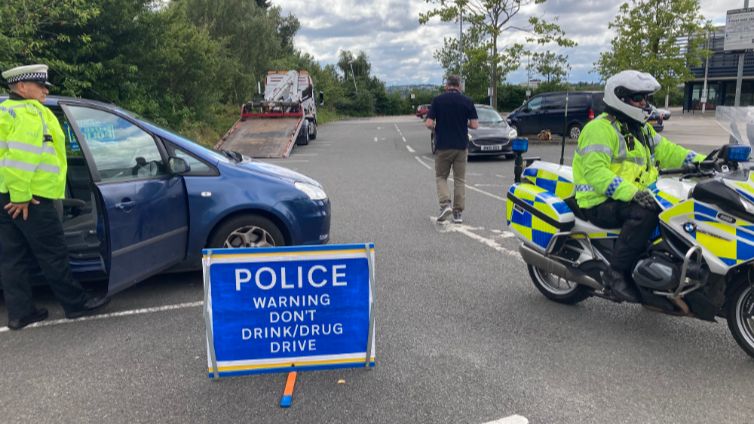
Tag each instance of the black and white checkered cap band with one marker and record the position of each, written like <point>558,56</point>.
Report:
<point>32,76</point>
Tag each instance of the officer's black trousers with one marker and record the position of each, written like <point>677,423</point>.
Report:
<point>38,240</point>
<point>636,224</point>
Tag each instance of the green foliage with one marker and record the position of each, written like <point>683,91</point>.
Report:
<point>651,37</point>
<point>488,21</point>
<point>552,67</point>
<point>510,96</point>
<point>184,64</point>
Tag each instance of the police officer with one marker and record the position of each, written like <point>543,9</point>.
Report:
<point>33,174</point>
<point>618,156</point>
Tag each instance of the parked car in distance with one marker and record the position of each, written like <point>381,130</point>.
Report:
<point>547,111</point>
<point>141,199</point>
<point>492,137</point>
<point>656,118</point>
<point>422,111</point>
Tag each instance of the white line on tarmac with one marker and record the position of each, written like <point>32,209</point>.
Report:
<point>410,149</point>
<point>513,419</point>
<point>307,154</point>
<point>113,315</point>
<point>404,139</point>
<point>418,159</point>
<point>494,196</point>
<point>468,231</point>
<point>375,139</point>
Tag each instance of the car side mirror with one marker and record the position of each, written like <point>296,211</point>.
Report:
<point>321,98</point>
<point>178,165</point>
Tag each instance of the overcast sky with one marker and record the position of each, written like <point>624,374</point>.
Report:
<point>401,51</point>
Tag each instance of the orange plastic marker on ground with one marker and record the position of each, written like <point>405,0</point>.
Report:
<point>287,398</point>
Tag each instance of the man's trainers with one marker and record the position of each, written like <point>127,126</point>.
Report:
<point>457,218</point>
<point>444,214</point>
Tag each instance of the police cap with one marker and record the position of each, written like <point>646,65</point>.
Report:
<point>32,73</point>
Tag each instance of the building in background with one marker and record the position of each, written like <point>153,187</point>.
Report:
<point>722,68</point>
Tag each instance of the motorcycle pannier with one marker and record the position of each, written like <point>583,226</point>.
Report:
<point>536,214</point>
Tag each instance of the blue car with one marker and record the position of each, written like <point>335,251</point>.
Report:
<point>141,200</point>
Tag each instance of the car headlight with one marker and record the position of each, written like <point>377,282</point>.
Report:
<point>312,191</point>
<point>512,133</point>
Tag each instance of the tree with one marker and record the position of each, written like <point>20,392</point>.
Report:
<point>661,37</point>
<point>553,67</point>
<point>492,19</point>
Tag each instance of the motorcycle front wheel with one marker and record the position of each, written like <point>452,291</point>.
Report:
<point>740,316</point>
<point>556,288</point>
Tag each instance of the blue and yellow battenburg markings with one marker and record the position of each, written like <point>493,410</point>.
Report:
<point>555,184</point>
<point>664,199</point>
<point>529,226</point>
<point>732,243</point>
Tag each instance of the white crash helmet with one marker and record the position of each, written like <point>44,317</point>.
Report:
<point>626,83</point>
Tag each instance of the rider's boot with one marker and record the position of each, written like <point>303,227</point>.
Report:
<point>620,287</point>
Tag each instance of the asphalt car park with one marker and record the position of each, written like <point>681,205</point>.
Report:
<point>462,335</point>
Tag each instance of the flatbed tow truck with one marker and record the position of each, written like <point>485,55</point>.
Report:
<point>272,126</point>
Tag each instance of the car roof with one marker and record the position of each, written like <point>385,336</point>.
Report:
<point>569,92</point>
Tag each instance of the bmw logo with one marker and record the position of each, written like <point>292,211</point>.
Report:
<point>689,227</point>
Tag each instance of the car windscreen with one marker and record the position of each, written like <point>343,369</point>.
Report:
<point>488,115</point>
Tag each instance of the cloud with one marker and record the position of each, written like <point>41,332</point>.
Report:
<point>401,51</point>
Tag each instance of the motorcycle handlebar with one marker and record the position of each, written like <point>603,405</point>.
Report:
<point>694,168</point>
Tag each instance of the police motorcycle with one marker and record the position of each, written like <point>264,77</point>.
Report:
<point>700,260</point>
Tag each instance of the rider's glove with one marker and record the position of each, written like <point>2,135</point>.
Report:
<point>645,199</point>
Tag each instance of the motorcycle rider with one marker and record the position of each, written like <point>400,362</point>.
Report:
<point>618,157</point>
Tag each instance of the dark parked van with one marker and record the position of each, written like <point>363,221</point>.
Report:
<point>546,111</point>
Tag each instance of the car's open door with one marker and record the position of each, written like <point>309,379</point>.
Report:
<point>144,205</point>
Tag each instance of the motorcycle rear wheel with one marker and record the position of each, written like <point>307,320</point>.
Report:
<point>740,316</point>
<point>557,289</point>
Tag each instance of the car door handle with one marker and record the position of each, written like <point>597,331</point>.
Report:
<point>126,205</point>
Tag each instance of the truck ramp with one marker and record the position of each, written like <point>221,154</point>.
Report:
<point>262,138</point>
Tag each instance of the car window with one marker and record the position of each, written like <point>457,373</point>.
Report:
<point>120,149</point>
<point>555,101</point>
<point>535,103</point>
<point>488,115</point>
<point>578,101</point>
<point>196,165</point>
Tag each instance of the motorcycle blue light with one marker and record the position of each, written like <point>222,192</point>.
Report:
<point>520,145</point>
<point>737,153</point>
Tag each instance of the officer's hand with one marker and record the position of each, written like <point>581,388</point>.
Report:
<point>645,199</point>
<point>14,209</point>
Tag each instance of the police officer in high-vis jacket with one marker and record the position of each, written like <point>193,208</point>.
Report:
<point>32,176</point>
<point>617,158</point>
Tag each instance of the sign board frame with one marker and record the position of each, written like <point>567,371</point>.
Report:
<point>739,29</point>
<point>282,257</point>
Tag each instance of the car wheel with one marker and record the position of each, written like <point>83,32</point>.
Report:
<point>303,135</point>
<point>247,231</point>
<point>574,131</point>
<point>314,130</point>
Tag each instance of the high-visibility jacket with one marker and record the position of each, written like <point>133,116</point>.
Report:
<point>32,151</point>
<point>606,166</point>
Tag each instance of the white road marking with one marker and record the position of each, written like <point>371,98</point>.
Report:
<point>486,185</point>
<point>404,139</point>
<point>375,139</point>
<point>112,315</point>
<point>379,128</point>
<point>410,149</point>
<point>418,159</point>
<point>307,154</point>
<point>513,419</point>
<point>468,231</point>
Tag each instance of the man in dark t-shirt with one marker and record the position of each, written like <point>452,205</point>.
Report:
<point>450,116</point>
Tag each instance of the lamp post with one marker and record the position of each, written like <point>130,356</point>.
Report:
<point>350,62</point>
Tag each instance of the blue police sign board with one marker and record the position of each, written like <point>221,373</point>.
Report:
<point>288,308</point>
